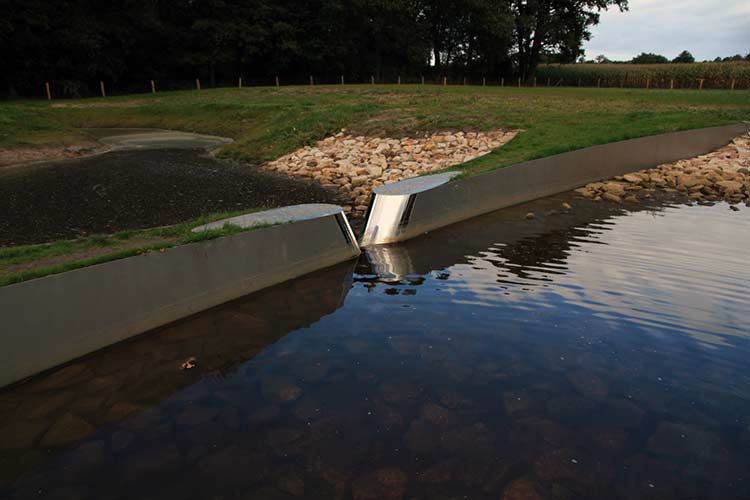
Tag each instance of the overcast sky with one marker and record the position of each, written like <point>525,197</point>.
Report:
<point>707,28</point>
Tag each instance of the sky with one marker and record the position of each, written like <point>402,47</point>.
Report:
<point>707,28</point>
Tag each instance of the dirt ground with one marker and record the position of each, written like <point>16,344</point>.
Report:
<point>135,189</point>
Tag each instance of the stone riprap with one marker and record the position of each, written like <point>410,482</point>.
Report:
<point>721,175</point>
<point>357,164</point>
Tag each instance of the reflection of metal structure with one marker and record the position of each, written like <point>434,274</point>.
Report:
<point>410,208</point>
<point>506,231</point>
<point>91,308</point>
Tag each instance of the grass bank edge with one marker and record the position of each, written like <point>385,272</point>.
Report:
<point>167,236</point>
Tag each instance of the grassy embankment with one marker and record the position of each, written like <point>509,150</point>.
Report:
<point>268,122</point>
<point>25,262</point>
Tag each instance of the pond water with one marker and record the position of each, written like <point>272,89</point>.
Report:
<point>600,353</point>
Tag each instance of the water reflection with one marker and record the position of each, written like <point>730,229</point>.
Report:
<point>596,353</point>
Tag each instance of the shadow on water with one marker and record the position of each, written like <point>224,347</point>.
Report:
<point>593,353</point>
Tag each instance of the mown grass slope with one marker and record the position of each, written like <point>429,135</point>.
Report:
<point>267,122</point>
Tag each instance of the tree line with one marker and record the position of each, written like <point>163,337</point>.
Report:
<point>684,57</point>
<point>77,43</point>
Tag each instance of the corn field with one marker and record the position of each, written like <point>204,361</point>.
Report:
<point>710,75</point>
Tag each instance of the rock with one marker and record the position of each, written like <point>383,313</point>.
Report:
<point>437,415</point>
<point>566,206</point>
<point>611,197</point>
<point>682,440</point>
<point>588,384</point>
<point>475,440</point>
<point>734,208</point>
<point>633,178</point>
<point>522,489</point>
<point>84,460</point>
<point>65,430</point>
<point>152,463</point>
<point>290,479</point>
<point>194,415</point>
<point>515,402</point>
<point>530,215</point>
<point>614,188</point>
<point>280,389</point>
<point>18,434</point>
<point>232,466</point>
<point>421,437</point>
<point>383,484</point>
<point>264,415</point>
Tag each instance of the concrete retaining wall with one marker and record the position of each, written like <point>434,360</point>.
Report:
<point>51,320</point>
<point>412,210</point>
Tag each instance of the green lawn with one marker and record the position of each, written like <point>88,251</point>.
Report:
<point>267,122</point>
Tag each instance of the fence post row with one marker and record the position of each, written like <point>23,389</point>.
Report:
<point>731,85</point>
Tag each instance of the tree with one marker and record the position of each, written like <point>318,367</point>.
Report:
<point>684,57</point>
<point>602,59</point>
<point>649,58</point>
<point>554,25</point>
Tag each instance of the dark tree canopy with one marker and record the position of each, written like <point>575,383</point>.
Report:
<point>684,57</point>
<point>649,58</point>
<point>76,43</point>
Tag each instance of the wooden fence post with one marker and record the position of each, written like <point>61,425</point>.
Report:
<point>519,83</point>
<point>372,79</point>
<point>731,88</point>
<point>197,83</point>
<point>534,81</point>
<point>549,81</point>
<point>277,81</point>
<point>239,83</point>
<point>153,87</point>
<point>342,79</point>
<point>502,82</point>
<point>671,84</point>
<point>484,81</point>
<point>598,83</point>
<point>445,81</point>
<point>648,83</point>
<point>312,81</point>
<point>399,80</point>
<point>49,94</point>
<point>101,87</point>
<point>422,79</point>
<point>700,85</point>
<point>579,82</point>
<point>464,80</point>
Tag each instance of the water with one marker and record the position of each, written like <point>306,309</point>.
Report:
<point>597,354</point>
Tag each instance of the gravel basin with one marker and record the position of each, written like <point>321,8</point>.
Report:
<point>135,189</point>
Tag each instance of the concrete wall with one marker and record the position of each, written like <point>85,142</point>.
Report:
<point>52,320</point>
<point>449,202</point>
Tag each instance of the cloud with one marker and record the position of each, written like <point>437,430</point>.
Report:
<point>707,28</point>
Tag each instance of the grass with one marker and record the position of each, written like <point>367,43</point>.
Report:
<point>267,122</point>
<point>25,262</point>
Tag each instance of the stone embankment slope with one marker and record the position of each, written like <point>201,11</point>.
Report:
<point>721,175</point>
<point>357,164</point>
